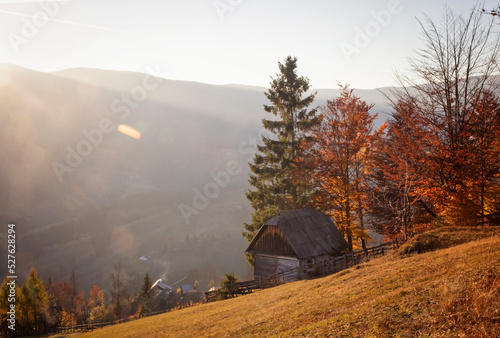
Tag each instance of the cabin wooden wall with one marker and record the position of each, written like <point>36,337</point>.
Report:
<point>273,242</point>
<point>309,265</point>
<point>267,265</point>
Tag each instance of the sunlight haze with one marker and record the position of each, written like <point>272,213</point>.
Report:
<point>220,41</point>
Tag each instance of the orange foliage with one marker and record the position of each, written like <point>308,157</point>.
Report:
<point>335,160</point>
<point>453,159</point>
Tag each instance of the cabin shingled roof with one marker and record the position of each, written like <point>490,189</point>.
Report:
<point>310,233</point>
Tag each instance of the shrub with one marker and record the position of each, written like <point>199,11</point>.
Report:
<point>227,286</point>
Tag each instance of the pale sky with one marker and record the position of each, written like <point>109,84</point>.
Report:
<point>222,41</point>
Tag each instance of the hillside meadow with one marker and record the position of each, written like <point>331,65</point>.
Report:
<point>447,292</point>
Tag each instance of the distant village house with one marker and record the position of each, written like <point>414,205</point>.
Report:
<point>161,289</point>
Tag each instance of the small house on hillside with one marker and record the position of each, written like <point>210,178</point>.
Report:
<point>185,288</point>
<point>161,289</point>
<point>295,239</point>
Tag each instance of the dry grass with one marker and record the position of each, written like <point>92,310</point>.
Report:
<point>450,292</point>
<point>444,237</point>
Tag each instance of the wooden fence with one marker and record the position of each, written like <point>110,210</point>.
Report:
<point>327,267</point>
<point>324,268</point>
<point>100,325</point>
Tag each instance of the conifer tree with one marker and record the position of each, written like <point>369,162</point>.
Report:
<point>33,303</point>
<point>146,294</point>
<point>273,188</point>
<point>146,291</point>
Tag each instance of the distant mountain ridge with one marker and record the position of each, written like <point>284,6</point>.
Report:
<point>95,77</point>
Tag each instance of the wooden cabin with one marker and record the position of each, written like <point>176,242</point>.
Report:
<point>161,289</point>
<point>295,239</point>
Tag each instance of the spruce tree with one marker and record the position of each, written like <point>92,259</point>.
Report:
<point>146,294</point>
<point>273,187</point>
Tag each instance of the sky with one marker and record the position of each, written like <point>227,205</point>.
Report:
<point>362,43</point>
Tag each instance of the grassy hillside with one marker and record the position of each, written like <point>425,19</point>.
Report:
<point>448,292</point>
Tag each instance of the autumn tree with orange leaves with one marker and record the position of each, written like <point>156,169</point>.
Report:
<point>452,119</point>
<point>396,205</point>
<point>96,304</point>
<point>457,179</point>
<point>336,161</point>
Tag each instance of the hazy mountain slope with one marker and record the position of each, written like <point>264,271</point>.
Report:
<point>235,102</point>
<point>66,170</point>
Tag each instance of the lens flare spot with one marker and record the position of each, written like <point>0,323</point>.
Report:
<point>129,131</point>
<point>121,240</point>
